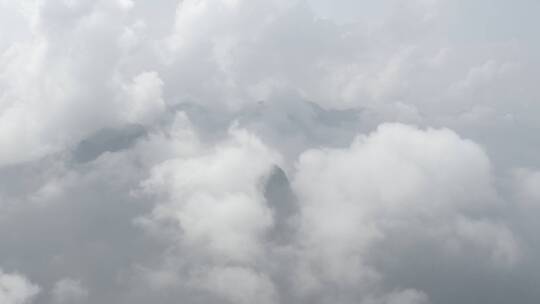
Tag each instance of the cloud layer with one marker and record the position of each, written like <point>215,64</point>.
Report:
<point>234,151</point>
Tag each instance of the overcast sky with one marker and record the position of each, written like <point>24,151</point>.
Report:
<point>269,151</point>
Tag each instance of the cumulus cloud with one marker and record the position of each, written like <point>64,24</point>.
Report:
<point>269,151</point>
<point>215,196</point>
<point>398,179</point>
<point>211,207</point>
<point>58,88</point>
<point>16,289</point>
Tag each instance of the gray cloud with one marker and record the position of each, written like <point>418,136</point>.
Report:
<point>238,151</point>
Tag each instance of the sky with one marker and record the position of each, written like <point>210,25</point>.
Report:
<point>269,151</point>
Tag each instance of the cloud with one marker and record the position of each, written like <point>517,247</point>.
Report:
<point>16,289</point>
<point>526,183</point>
<point>399,179</point>
<point>57,92</point>
<point>69,291</point>
<point>239,285</point>
<point>269,151</point>
<point>215,196</point>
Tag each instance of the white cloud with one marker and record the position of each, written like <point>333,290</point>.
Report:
<point>143,101</point>
<point>56,90</point>
<point>162,81</point>
<point>394,179</point>
<point>215,196</point>
<point>16,289</point>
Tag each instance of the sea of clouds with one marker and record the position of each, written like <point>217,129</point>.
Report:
<point>269,151</point>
